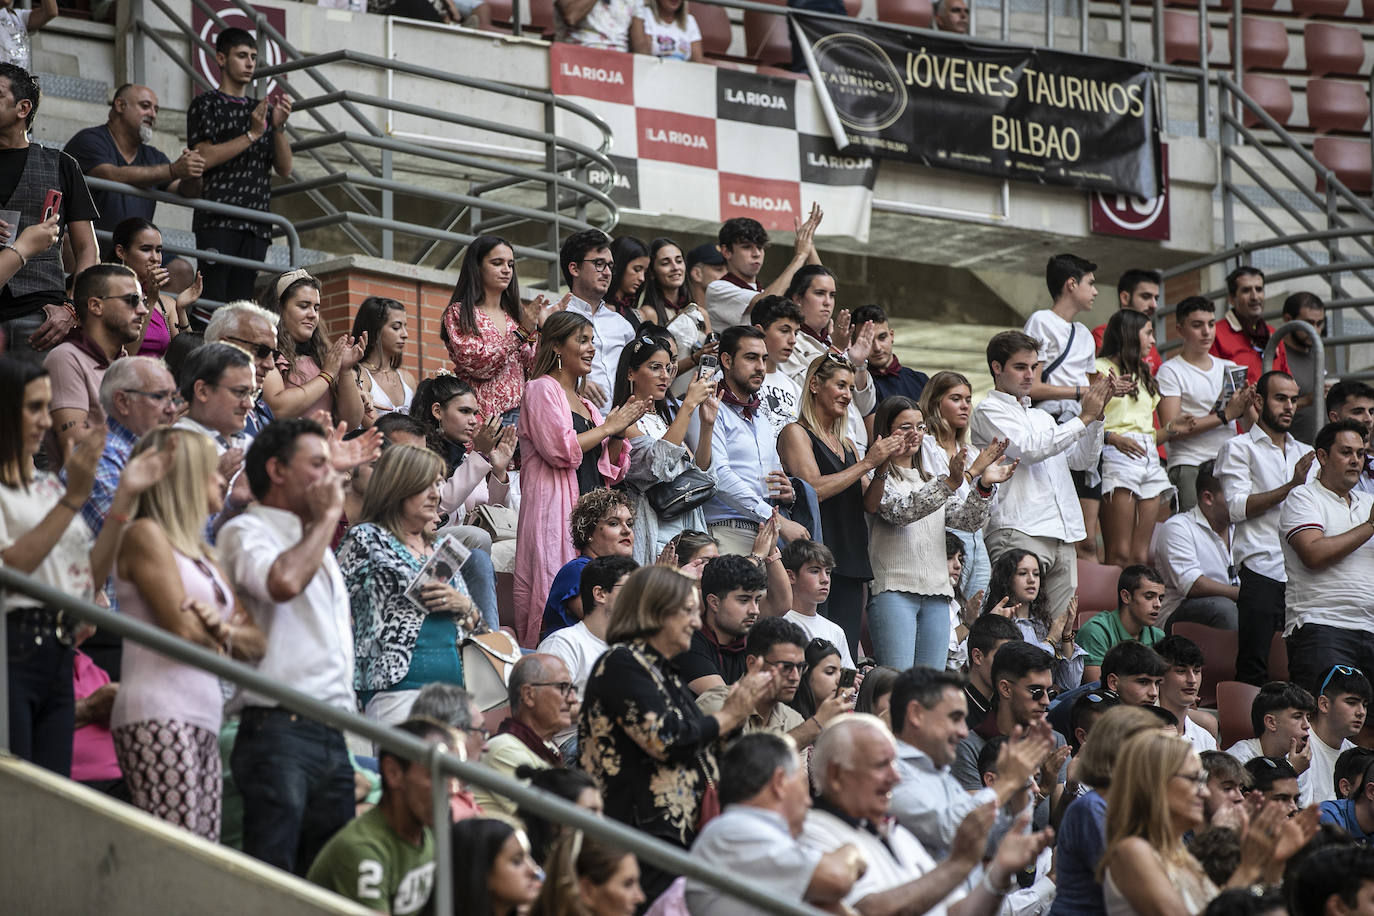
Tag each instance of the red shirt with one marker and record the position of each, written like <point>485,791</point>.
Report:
<point>1152,359</point>
<point>1234,344</point>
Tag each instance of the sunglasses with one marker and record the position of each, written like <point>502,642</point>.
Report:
<point>207,572</point>
<point>257,350</point>
<point>1346,670</point>
<point>841,361</point>
<point>1038,692</point>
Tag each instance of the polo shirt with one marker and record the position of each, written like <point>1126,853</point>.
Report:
<point>781,720</point>
<point>754,842</point>
<point>1338,595</point>
<point>1234,344</point>
<point>1106,630</point>
<point>930,802</point>
<point>1341,812</point>
<point>893,855</point>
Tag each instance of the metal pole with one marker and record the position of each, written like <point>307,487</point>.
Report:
<point>1049,24</point>
<point>1083,26</point>
<point>551,194</point>
<point>1125,30</point>
<point>1228,204</point>
<point>1204,31</point>
<point>1157,36</point>
<point>1318,359</point>
<point>1006,20</point>
<point>137,64</point>
<point>441,898</point>
<point>388,210</point>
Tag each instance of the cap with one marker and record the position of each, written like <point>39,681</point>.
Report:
<point>704,254</point>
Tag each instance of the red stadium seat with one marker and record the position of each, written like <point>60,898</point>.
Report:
<point>1084,617</point>
<point>714,23</point>
<point>541,17</point>
<point>852,7</point>
<point>1234,700</point>
<point>500,11</point>
<point>1180,37</point>
<point>1330,9</point>
<point>918,13</point>
<point>1273,94</point>
<point>1348,158</point>
<point>1219,649</point>
<point>1333,49</point>
<point>505,598</point>
<point>766,40</point>
<point>1264,45</point>
<point>1097,586</point>
<point>1335,105</point>
<point>1278,658</point>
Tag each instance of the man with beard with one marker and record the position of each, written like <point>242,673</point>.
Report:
<point>1326,527</point>
<point>1257,471</point>
<point>1244,333</point>
<point>779,646</point>
<point>731,589</point>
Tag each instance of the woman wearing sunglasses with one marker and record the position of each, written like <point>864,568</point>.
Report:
<point>166,575</point>
<point>138,246</point>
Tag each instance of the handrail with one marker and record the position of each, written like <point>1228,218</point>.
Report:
<point>409,746</point>
<point>1318,388</point>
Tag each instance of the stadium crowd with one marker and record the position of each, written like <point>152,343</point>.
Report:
<point>777,598</point>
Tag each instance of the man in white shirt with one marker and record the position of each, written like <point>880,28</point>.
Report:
<point>587,268</point>
<point>779,319</point>
<point>1203,389</point>
<point>1281,716</point>
<point>1257,471</point>
<point>808,564</point>
<point>1193,552</point>
<point>293,773</point>
<point>1178,691</point>
<point>742,242</point>
<point>1354,400</point>
<point>1025,515</point>
<point>1342,704</point>
<point>1326,527</point>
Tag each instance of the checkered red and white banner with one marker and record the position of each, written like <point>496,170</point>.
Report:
<point>709,143</point>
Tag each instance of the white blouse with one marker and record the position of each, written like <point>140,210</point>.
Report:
<point>67,567</point>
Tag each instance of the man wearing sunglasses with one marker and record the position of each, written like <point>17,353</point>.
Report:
<point>1342,703</point>
<point>110,312</point>
<point>777,646</point>
<point>254,331</point>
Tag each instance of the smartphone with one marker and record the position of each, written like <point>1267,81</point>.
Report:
<point>51,204</point>
<point>709,365</point>
<point>847,678</point>
<point>511,417</point>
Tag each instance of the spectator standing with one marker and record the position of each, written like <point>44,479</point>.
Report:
<point>1354,400</point>
<point>808,566</point>
<point>111,310</point>
<point>382,323</point>
<point>1342,704</point>
<point>665,28</point>
<point>742,241</point>
<point>294,774</point>
<point>138,246</point>
<point>306,357</point>
<point>166,576</point>
<point>594,23</point>
<point>1178,691</point>
<point>1017,589</point>
<point>1047,452</point>
<point>1139,594</point>
<point>1194,555</point>
<point>1258,470</point>
<point>890,377</point>
<point>666,292</point>
<point>34,315</point>
<point>240,143</point>
<point>1137,290</point>
<point>15,27</point>
<point>952,16</point>
<point>1242,336</point>
<point>588,267</point>
<point>705,265</point>
<point>567,450</point>
<point>631,258</point>
<point>1326,527</point>
<point>780,395</point>
<point>946,402</point>
<point>254,331</point>
<point>1302,364</point>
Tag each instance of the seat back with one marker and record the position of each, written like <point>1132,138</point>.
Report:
<point>1335,105</point>
<point>1332,49</point>
<point>714,23</point>
<point>1180,37</point>
<point>1264,42</point>
<point>766,40</point>
<point>1219,649</point>
<point>918,13</point>
<point>1234,700</point>
<point>1273,94</point>
<point>1348,158</point>
<point>1097,586</point>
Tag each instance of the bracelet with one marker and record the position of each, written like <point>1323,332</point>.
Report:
<point>987,886</point>
<point>251,139</point>
<point>327,377</point>
<point>23,261</point>
<point>63,502</point>
<point>70,306</point>
<point>882,476</point>
<point>755,559</point>
<point>1078,392</point>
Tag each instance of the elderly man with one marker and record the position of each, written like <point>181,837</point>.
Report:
<point>543,702</point>
<point>455,707</point>
<point>254,331</point>
<point>854,770</point>
<point>763,788</point>
<point>952,16</point>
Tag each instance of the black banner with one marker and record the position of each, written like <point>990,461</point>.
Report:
<point>1021,113</point>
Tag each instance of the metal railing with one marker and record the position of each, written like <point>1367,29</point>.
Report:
<point>1317,383</point>
<point>441,762</point>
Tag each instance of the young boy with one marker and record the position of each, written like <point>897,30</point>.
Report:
<point>1133,672</point>
<point>1342,703</point>
<point>1280,717</point>
<point>780,395</point>
<point>1178,690</point>
<point>808,566</point>
<point>889,376</point>
<point>1197,385</point>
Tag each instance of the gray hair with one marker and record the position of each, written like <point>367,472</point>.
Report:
<point>444,702</point>
<point>748,766</point>
<point>124,374</point>
<point>227,316</point>
<point>528,670</point>
<point>835,746</point>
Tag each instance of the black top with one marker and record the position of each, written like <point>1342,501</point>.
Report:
<point>588,475</point>
<point>245,180</point>
<point>706,658</point>
<point>94,147</point>
<point>842,515</point>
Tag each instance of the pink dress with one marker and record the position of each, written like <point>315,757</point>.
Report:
<point>549,456</point>
<point>492,361</point>
<point>158,336</point>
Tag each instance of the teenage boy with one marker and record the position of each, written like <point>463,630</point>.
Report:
<point>1326,527</point>
<point>1342,703</point>
<point>240,142</point>
<point>1226,782</point>
<point>705,265</point>
<point>742,243</point>
<point>1302,364</point>
<point>1137,290</point>
<point>890,377</point>
<point>1280,716</point>
<point>731,589</point>
<point>986,636</point>
<point>1022,516</point>
<point>1199,386</point>
<point>1258,470</point>
<point>1179,689</point>
<point>1139,593</point>
<point>1244,333</point>
<point>1193,550</point>
<point>808,566</point>
<point>580,645</point>
<point>1350,767</point>
<point>1273,779</point>
<point>1338,882</point>
<point>779,647</point>
<point>779,319</point>
<point>1133,672</point>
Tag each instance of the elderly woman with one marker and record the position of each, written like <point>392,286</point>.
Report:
<point>640,734</point>
<point>399,645</point>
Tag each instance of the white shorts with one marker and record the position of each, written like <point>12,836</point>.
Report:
<point>1145,477</point>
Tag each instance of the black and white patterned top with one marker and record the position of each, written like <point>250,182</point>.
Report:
<point>245,180</point>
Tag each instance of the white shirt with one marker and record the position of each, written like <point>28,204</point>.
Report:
<point>1199,392</point>
<point>1047,451</point>
<point>1053,333</point>
<point>726,303</point>
<point>610,332</point>
<point>579,648</point>
<point>1338,595</point>
<point>905,861</point>
<point>1249,748</point>
<point>818,627</point>
<point>239,440</point>
<point>781,397</point>
<point>310,637</point>
<point>1322,771</point>
<point>1247,464</point>
<point>14,37</point>
<point>668,39</point>
<point>1200,738</point>
<point>756,844</point>
<point>1186,549</point>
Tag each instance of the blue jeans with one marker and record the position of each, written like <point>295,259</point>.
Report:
<point>480,578</point>
<point>909,629</point>
<point>977,566</point>
<point>297,786</point>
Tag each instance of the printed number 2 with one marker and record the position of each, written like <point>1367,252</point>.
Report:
<point>369,880</point>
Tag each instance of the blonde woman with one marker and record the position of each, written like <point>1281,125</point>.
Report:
<point>1157,794</point>
<point>947,402</point>
<point>167,715</point>
<point>399,646</point>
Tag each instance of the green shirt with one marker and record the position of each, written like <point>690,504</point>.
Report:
<point>1105,630</point>
<point>367,862</point>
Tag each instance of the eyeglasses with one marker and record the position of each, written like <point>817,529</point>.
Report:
<point>601,265</point>
<point>157,397</point>
<point>567,688</point>
<point>911,427</point>
<point>1039,692</point>
<point>1338,669</point>
<point>242,392</point>
<point>786,667</point>
<point>132,300</point>
<point>476,730</point>
<point>1198,779</point>
<point>258,351</point>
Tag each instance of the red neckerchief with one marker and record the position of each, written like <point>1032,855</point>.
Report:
<point>822,336</point>
<point>746,408</point>
<point>740,282</point>
<point>733,648</point>
<point>532,741</point>
<point>77,338</point>
<point>1258,335</point>
<point>890,370</point>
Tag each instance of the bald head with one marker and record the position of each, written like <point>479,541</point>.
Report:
<point>854,766</point>
<point>133,111</point>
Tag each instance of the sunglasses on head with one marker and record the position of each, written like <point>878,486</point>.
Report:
<point>1346,670</point>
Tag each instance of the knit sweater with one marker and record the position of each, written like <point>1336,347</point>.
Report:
<point>906,540</point>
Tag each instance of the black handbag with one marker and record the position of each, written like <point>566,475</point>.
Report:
<point>671,498</point>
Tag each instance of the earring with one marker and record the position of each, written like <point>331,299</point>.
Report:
<point>632,387</point>
<point>559,357</point>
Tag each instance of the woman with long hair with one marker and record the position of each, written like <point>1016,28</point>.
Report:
<point>875,693</point>
<point>1133,481</point>
<point>166,575</point>
<point>138,246</point>
<point>664,28</point>
<point>44,536</point>
<point>908,610</point>
<point>477,455</point>
<point>382,323</point>
<point>631,258</point>
<point>821,681</point>
<point>312,373</point>
<point>566,449</point>
<point>489,333</point>
<point>585,877</point>
<point>818,449</point>
<point>1015,591</point>
<point>399,645</point>
<point>493,871</point>
<point>667,302</point>
<point>947,403</point>
<point>658,451</point>
<point>690,551</point>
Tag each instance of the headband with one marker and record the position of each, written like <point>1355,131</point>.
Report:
<point>291,276</point>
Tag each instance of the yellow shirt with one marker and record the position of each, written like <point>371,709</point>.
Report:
<point>1129,415</point>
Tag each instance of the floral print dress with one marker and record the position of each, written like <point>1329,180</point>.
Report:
<point>493,361</point>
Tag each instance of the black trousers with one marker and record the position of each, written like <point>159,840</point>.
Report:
<point>1261,606</point>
